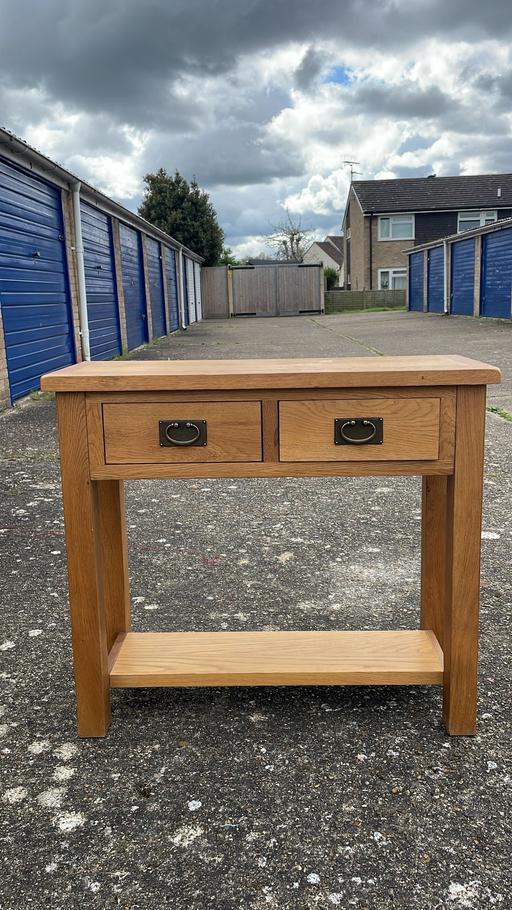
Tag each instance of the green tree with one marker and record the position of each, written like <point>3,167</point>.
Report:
<point>184,211</point>
<point>331,277</point>
<point>227,257</point>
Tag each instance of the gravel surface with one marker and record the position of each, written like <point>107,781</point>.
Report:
<point>245,799</point>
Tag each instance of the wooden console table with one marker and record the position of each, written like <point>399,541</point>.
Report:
<point>273,418</point>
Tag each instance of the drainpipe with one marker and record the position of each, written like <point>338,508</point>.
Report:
<point>82,293</point>
<point>182,292</point>
<point>445,281</point>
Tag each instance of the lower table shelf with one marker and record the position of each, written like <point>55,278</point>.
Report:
<point>395,658</point>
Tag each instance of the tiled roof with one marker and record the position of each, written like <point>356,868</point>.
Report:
<point>336,240</point>
<point>330,250</point>
<point>434,193</point>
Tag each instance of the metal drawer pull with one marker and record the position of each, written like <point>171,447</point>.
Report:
<point>358,431</point>
<point>183,432</point>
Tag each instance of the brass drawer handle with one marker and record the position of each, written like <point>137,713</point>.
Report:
<point>358,431</point>
<point>183,432</point>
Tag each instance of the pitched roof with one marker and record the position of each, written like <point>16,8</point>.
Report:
<point>330,250</point>
<point>336,240</point>
<point>418,194</point>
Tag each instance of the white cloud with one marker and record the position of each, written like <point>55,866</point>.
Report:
<point>321,195</point>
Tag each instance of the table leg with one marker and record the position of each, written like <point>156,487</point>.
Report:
<point>81,518</point>
<point>433,553</point>
<point>463,539</point>
<point>114,551</point>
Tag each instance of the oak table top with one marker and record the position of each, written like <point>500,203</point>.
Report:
<point>308,373</point>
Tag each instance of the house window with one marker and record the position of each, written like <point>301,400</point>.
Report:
<point>470,220</point>
<point>392,279</point>
<point>396,227</point>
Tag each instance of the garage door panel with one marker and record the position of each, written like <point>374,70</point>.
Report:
<point>435,280</point>
<point>34,291</point>
<point>496,288</point>
<point>100,284</point>
<point>462,277</point>
<point>133,286</point>
<point>50,322</point>
<point>49,284</point>
<point>30,227</point>
<point>416,268</point>
<point>21,248</point>
<point>156,288</point>
<point>26,185</point>
<point>172,288</point>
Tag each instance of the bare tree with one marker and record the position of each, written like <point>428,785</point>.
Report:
<point>289,239</point>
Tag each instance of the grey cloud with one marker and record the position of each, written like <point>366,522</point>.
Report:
<point>226,153</point>
<point>118,57</point>
<point>403,102</point>
<point>124,62</point>
<point>309,68</point>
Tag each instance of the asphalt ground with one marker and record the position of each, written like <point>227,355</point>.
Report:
<point>289,798</point>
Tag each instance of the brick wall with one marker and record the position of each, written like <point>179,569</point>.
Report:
<point>358,246</point>
<point>386,254</point>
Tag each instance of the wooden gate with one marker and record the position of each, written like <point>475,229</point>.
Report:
<point>276,290</point>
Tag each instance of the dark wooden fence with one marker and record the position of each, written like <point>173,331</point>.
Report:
<point>277,290</point>
<point>347,301</point>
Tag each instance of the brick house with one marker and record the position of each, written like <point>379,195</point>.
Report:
<point>383,217</point>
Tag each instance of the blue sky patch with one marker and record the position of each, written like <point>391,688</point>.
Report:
<point>339,74</point>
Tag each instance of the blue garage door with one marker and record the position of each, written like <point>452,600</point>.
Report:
<point>496,295</point>
<point>34,291</point>
<point>172,288</point>
<point>100,284</point>
<point>156,287</point>
<point>435,280</point>
<point>133,287</point>
<point>416,282</point>
<point>462,277</point>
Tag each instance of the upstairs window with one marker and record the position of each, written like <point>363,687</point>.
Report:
<point>470,220</point>
<point>396,227</point>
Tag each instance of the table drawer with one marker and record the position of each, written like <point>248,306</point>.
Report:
<point>401,429</point>
<point>157,432</point>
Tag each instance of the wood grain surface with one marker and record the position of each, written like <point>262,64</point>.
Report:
<point>462,595</point>
<point>411,429</point>
<point>342,372</point>
<point>85,569</point>
<point>276,658</point>
<point>132,432</point>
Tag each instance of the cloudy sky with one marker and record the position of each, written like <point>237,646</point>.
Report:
<point>263,100</point>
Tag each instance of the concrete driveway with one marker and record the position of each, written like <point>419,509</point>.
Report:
<point>255,798</point>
